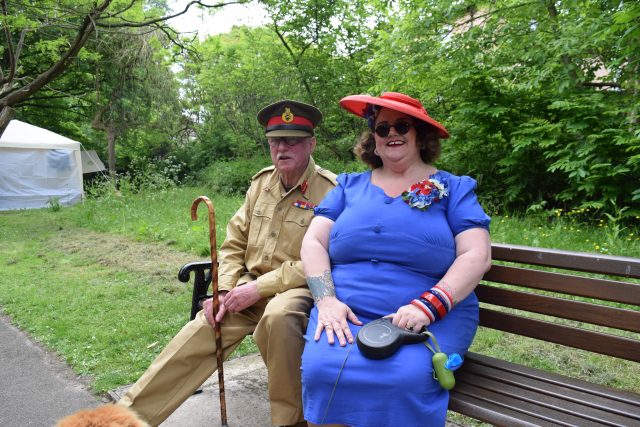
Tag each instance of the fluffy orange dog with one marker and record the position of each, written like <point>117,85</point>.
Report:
<point>103,416</point>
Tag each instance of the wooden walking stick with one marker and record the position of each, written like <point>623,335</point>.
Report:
<point>216,301</point>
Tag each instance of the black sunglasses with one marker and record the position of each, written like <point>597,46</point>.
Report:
<point>383,129</point>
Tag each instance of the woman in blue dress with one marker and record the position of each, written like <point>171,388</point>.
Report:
<point>403,240</point>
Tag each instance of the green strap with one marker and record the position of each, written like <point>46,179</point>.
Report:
<point>435,342</point>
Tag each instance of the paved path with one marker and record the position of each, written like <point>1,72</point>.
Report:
<point>245,383</point>
<point>36,389</point>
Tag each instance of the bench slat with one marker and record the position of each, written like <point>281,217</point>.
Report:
<point>588,400</point>
<point>608,290</point>
<point>596,342</point>
<point>574,383</point>
<point>516,403</point>
<point>500,392</point>
<point>500,415</point>
<point>612,317</point>
<point>606,264</point>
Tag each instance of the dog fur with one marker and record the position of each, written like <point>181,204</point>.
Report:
<point>103,416</point>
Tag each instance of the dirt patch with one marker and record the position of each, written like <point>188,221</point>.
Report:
<point>154,259</point>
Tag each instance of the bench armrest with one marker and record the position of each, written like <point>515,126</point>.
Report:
<point>201,282</point>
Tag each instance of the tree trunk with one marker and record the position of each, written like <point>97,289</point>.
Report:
<point>555,25</point>
<point>6,114</point>
<point>111,148</point>
<point>635,87</point>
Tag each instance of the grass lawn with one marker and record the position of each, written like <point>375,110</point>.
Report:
<point>106,302</point>
<point>96,283</point>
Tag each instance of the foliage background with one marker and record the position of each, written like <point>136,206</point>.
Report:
<point>540,97</point>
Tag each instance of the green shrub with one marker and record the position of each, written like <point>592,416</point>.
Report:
<point>231,177</point>
<point>54,204</point>
<point>338,166</point>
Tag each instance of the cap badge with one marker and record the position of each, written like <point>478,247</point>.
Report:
<point>287,116</point>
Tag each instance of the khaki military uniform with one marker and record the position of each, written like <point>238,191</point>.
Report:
<point>263,243</point>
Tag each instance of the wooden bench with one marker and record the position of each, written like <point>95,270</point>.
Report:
<point>201,281</point>
<point>508,394</point>
<point>599,314</point>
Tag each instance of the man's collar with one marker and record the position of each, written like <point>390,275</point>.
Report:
<point>302,183</point>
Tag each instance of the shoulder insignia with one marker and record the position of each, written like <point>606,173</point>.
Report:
<point>262,171</point>
<point>327,174</point>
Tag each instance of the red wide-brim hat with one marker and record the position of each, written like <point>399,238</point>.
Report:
<point>357,104</point>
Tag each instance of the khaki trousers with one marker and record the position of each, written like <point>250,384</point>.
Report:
<point>277,324</point>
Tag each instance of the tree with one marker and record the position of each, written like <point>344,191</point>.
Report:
<point>326,45</point>
<point>232,76</point>
<point>54,33</point>
<point>519,84</point>
<point>135,90</point>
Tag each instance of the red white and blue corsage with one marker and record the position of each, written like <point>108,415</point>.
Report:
<point>422,194</point>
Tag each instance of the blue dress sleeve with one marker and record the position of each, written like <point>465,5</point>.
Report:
<point>333,203</point>
<point>464,210</point>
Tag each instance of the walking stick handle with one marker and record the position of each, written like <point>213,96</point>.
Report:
<point>215,306</point>
<point>212,246</point>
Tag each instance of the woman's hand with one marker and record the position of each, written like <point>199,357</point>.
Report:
<point>332,318</point>
<point>410,318</point>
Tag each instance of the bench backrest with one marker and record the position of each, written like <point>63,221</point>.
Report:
<point>601,311</point>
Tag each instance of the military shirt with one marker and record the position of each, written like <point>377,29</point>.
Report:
<point>264,236</point>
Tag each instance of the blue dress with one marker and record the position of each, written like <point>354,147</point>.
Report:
<point>384,254</point>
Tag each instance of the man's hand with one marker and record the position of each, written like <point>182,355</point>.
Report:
<point>241,297</point>
<point>208,311</point>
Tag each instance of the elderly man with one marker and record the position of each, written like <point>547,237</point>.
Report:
<point>262,286</point>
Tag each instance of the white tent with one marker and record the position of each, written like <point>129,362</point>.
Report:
<point>91,162</point>
<point>38,167</point>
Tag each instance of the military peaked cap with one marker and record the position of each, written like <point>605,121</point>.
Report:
<point>289,118</point>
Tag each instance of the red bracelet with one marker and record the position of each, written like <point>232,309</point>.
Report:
<point>444,297</point>
<point>442,310</point>
<point>440,288</point>
<point>424,309</point>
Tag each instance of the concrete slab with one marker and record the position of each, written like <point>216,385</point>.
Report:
<point>37,389</point>
<point>245,381</point>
